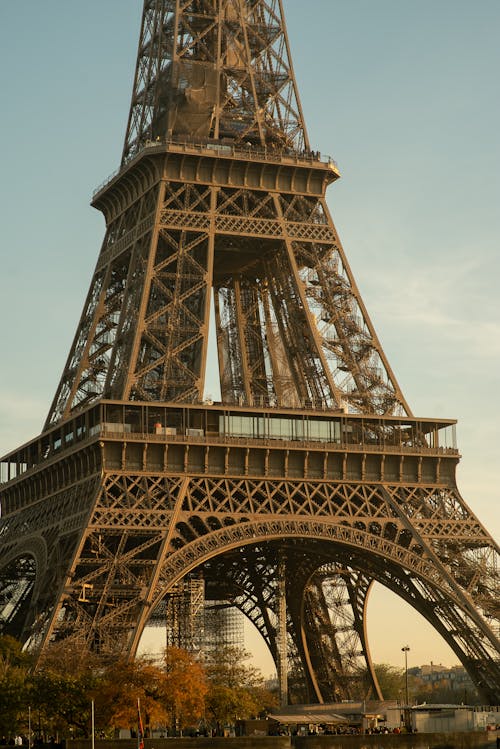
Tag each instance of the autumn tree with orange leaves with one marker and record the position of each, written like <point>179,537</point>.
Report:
<point>186,688</point>
<point>175,691</point>
<point>171,691</point>
<point>125,682</point>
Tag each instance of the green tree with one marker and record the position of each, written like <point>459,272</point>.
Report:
<point>65,684</point>
<point>12,651</point>
<point>62,688</point>
<point>14,686</point>
<point>63,701</point>
<point>235,690</point>
<point>442,691</point>
<point>391,680</point>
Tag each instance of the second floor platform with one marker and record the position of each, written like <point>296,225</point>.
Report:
<point>215,424</point>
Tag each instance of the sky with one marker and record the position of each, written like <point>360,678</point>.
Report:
<point>403,95</point>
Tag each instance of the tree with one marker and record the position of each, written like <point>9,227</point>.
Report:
<point>171,692</point>
<point>12,651</point>
<point>391,680</point>
<point>62,688</point>
<point>186,688</point>
<point>444,691</point>
<point>122,684</point>
<point>65,685</point>
<point>235,690</point>
<point>14,684</point>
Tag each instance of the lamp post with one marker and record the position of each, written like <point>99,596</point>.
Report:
<point>406,650</point>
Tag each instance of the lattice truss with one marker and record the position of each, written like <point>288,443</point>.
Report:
<point>146,533</point>
<point>292,331</point>
<point>250,580</point>
<point>336,609</point>
<point>107,325</point>
<point>37,546</point>
<point>291,326</point>
<point>214,68</point>
<point>196,622</point>
<point>326,604</point>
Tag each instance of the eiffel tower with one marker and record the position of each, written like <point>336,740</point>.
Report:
<point>311,479</point>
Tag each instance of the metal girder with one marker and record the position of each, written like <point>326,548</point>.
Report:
<point>215,503</point>
<point>285,333</point>
<point>217,69</point>
<point>311,480</point>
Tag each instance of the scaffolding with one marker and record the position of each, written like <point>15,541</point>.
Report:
<point>223,626</point>
<point>199,625</point>
<point>184,615</point>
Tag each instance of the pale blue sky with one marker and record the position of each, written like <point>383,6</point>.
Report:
<point>404,95</point>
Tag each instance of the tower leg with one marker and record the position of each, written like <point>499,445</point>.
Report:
<point>282,633</point>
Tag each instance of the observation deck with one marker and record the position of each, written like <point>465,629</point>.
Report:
<point>214,148</point>
<point>214,163</point>
<point>216,439</point>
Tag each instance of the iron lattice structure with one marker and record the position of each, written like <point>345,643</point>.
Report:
<point>310,479</point>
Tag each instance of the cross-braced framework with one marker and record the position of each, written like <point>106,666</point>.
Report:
<point>184,615</point>
<point>310,480</point>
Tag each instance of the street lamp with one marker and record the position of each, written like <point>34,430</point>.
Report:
<point>406,650</point>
